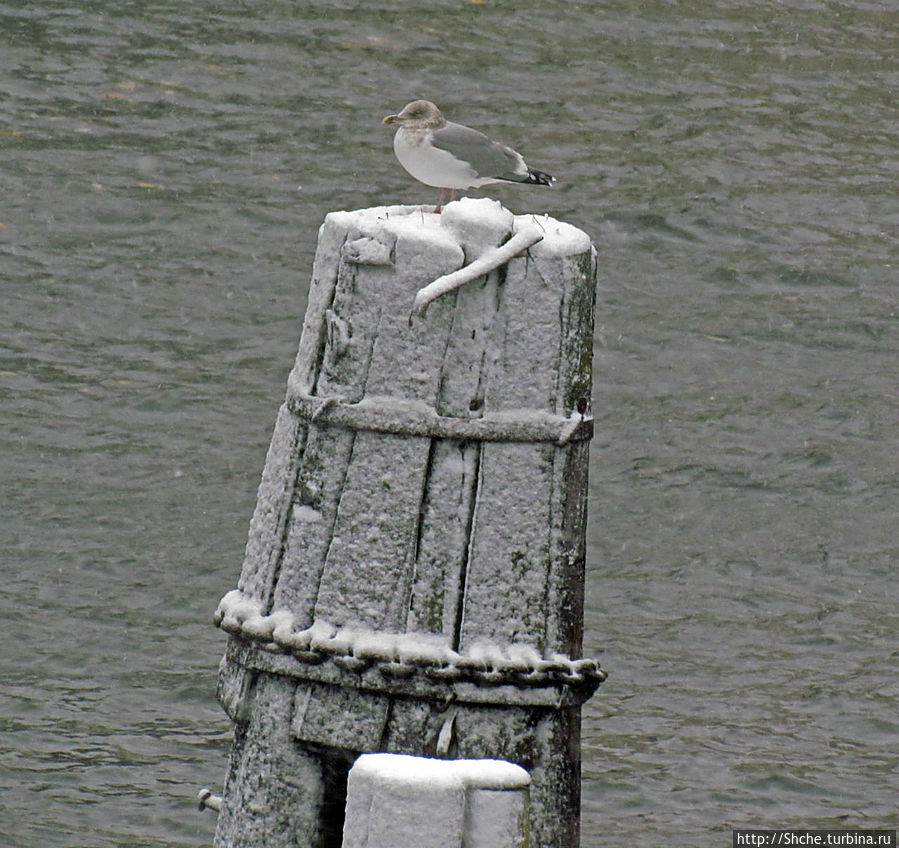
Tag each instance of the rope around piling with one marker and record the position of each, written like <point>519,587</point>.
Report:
<point>484,264</point>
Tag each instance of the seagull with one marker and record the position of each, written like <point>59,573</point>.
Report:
<point>450,156</point>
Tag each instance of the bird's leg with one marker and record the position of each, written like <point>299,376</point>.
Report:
<point>444,193</point>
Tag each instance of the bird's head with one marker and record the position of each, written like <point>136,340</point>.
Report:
<point>418,115</point>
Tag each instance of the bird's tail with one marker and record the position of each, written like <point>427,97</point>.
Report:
<point>538,178</point>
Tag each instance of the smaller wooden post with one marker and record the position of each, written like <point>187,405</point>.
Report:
<point>413,581</point>
<point>401,801</point>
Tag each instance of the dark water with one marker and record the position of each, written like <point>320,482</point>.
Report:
<point>164,170</point>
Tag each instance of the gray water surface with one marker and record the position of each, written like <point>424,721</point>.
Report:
<point>165,168</point>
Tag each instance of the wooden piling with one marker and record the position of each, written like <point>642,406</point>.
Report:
<point>413,580</point>
<point>401,801</point>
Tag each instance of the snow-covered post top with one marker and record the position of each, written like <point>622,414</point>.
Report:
<point>401,801</point>
<point>416,555</point>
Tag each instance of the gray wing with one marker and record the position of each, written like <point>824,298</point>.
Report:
<point>488,158</point>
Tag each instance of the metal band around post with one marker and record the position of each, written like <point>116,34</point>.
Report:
<point>411,664</point>
<point>385,414</point>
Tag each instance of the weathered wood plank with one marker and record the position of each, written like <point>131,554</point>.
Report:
<point>353,322</point>
<point>342,718</point>
<point>369,565</point>
<point>276,490</point>
<point>360,326</point>
<point>518,574</point>
<point>508,568</point>
<point>452,477</point>
<point>568,522</point>
<point>368,568</point>
<point>437,584</point>
<point>448,504</point>
<point>365,572</point>
<point>274,792</point>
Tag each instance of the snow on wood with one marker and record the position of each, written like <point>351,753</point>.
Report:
<point>420,522</point>
<point>401,801</point>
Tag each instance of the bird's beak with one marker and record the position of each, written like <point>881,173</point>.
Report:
<point>392,119</point>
